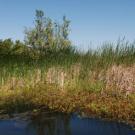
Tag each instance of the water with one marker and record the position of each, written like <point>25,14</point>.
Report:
<point>60,124</point>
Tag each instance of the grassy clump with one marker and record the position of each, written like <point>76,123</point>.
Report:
<point>92,104</point>
<point>46,71</point>
<point>68,68</point>
<point>97,82</point>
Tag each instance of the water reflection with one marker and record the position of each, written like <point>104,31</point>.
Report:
<point>61,124</point>
<point>51,124</point>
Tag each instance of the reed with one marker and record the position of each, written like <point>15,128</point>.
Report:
<point>69,68</point>
<point>97,81</point>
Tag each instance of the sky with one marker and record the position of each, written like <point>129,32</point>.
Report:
<point>92,21</point>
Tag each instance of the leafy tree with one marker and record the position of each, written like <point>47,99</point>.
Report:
<point>5,46</point>
<point>36,36</point>
<point>65,28</point>
<point>47,34</point>
<point>18,48</point>
<point>65,32</point>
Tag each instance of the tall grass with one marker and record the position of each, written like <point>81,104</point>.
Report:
<point>100,81</point>
<point>66,68</point>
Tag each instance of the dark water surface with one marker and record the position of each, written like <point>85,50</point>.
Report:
<point>60,124</point>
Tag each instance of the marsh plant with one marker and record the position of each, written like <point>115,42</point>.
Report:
<point>47,70</point>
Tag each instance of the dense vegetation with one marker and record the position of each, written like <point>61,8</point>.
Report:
<point>47,70</point>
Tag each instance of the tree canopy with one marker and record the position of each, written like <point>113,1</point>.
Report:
<point>48,34</point>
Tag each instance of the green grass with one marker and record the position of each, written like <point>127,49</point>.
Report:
<point>69,80</point>
<point>20,65</point>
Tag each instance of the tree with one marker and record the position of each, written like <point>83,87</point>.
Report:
<point>65,32</point>
<point>6,46</point>
<point>46,33</point>
<point>65,28</point>
<point>36,36</point>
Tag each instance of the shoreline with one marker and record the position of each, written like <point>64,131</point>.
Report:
<point>85,104</point>
<point>29,115</point>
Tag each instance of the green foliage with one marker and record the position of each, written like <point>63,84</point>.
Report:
<point>6,46</point>
<point>47,34</point>
<point>47,56</point>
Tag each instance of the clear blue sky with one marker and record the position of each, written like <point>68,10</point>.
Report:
<point>91,20</point>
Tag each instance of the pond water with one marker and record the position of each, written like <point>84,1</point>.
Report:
<point>61,124</point>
